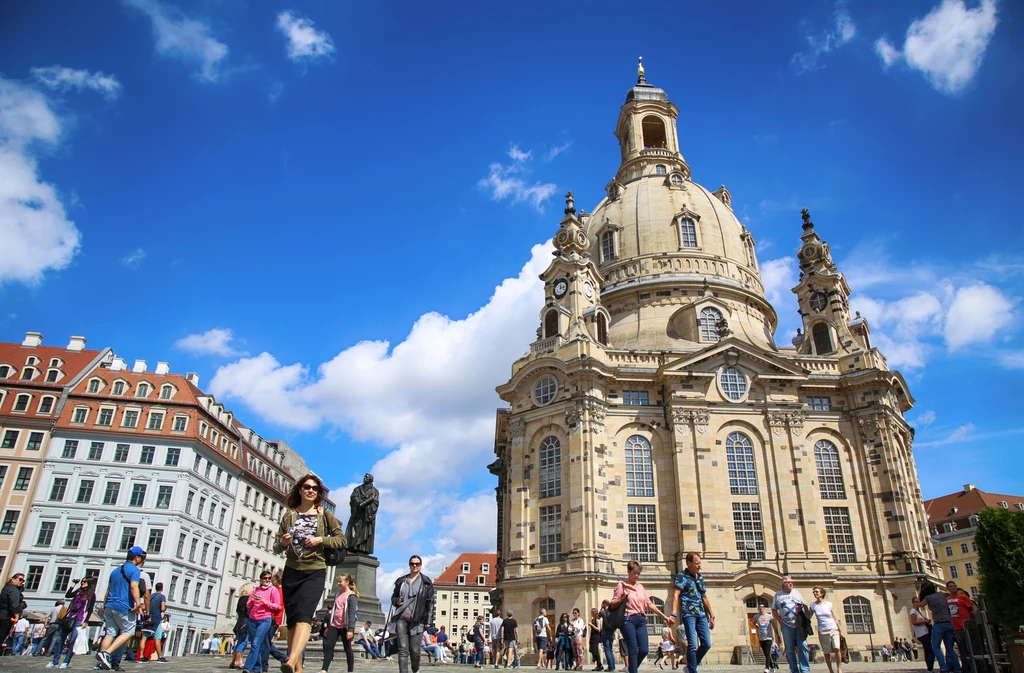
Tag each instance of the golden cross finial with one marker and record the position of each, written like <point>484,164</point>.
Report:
<point>640,71</point>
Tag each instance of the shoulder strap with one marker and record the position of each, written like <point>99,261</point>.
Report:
<point>124,574</point>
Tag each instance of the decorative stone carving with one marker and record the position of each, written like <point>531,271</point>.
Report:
<point>516,429</point>
<point>778,421</point>
<point>870,425</point>
<point>698,418</point>
<point>573,415</point>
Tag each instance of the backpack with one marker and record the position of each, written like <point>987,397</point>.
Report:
<point>538,627</point>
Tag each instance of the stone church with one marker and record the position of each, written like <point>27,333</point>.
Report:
<point>656,414</point>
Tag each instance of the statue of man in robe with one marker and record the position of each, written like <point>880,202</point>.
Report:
<point>364,502</point>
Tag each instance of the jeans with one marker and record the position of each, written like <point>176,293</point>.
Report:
<point>942,632</point>
<point>370,647</point>
<point>634,632</point>
<point>563,654</point>
<point>929,653</point>
<point>607,639</point>
<point>18,644</point>
<point>58,644</point>
<point>407,655</point>
<point>796,647</point>
<point>259,648</point>
<point>696,627</point>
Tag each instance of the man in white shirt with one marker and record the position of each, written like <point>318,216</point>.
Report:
<point>204,648</point>
<point>540,634</point>
<point>787,607</point>
<point>20,636</point>
<point>495,626</point>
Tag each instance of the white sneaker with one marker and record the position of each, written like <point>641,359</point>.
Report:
<point>51,665</point>
<point>64,665</point>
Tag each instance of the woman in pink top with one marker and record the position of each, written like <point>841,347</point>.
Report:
<point>341,623</point>
<point>264,602</point>
<point>634,629</point>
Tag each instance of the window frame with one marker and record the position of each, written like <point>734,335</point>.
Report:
<point>828,464</point>
<point>642,532</point>
<point>639,466</point>
<point>549,533</point>
<point>549,464</point>
<point>741,464</point>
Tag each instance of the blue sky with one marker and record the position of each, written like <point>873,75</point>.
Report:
<point>335,212</point>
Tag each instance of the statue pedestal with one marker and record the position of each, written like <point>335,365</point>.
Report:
<point>364,570</point>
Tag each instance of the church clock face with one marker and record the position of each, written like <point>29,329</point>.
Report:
<point>819,301</point>
<point>588,290</point>
<point>561,287</point>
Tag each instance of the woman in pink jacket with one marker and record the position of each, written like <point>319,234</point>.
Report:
<point>264,602</point>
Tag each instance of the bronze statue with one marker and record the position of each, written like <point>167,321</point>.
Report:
<point>364,503</point>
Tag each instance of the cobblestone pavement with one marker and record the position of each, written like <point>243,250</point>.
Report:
<point>201,664</point>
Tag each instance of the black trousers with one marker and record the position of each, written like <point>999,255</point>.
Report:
<point>766,647</point>
<point>331,637</point>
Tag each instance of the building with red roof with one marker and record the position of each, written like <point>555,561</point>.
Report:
<point>464,591</point>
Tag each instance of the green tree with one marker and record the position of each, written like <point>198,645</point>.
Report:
<point>1000,541</point>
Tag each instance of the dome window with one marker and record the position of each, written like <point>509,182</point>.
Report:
<point>608,245</point>
<point>733,384</point>
<point>654,132</point>
<point>687,233</point>
<point>602,329</point>
<point>709,319</point>
<point>544,391</point>
<point>660,170</point>
<point>822,337</point>
<point>551,323</point>
<point>676,180</point>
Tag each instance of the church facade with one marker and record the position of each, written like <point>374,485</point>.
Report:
<point>655,415</point>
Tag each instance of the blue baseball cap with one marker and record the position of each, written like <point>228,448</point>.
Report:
<point>137,551</point>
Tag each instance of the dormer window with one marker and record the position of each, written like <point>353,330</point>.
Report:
<point>28,373</point>
<point>46,405</point>
<point>465,567</point>
<point>142,390</point>
<point>94,386</point>
<point>166,392</point>
<point>31,360</point>
<point>676,180</point>
<point>608,245</point>
<point>687,233</point>
<point>708,321</point>
<point>1003,504</point>
<point>462,579</point>
<point>21,402</point>
<point>5,371</point>
<point>118,388</point>
<point>55,362</point>
<point>485,568</point>
<point>52,375</point>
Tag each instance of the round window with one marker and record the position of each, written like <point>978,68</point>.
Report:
<point>733,383</point>
<point>676,179</point>
<point>544,391</point>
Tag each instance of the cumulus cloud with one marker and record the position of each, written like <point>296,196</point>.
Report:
<point>216,341</point>
<point>305,42</point>
<point>429,400</point>
<point>508,181</point>
<point>977,313</point>
<point>133,259</point>
<point>63,79</point>
<point>34,227</point>
<point>183,38</point>
<point>824,41</point>
<point>947,45</point>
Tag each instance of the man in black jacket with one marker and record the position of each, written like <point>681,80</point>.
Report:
<point>11,605</point>
<point>413,605</point>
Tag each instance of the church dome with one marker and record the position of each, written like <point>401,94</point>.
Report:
<point>662,242</point>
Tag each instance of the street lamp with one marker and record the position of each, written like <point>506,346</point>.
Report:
<point>190,635</point>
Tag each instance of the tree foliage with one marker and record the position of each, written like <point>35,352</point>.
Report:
<point>1000,539</point>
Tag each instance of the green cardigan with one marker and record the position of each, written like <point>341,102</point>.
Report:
<point>327,527</point>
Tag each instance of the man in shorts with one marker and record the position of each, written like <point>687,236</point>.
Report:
<point>495,626</point>
<point>120,606</point>
<point>540,634</point>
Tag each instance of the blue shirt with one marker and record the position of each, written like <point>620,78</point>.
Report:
<point>154,606</point>
<point>691,593</point>
<point>120,594</point>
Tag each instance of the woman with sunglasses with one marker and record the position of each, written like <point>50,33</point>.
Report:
<point>634,629</point>
<point>412,606</point>
<point>83,598</point>
<point>263,603</point>
<point>306,530</point>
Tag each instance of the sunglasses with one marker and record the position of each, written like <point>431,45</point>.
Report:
<point>414,565</point>
<point>310,487</point>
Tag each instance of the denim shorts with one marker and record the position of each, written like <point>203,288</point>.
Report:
<point>117,623</point>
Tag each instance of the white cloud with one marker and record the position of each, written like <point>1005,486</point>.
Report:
<point>967,434</point>
<point>471,525</point>
<point>61,78</point>
<point>183,38</point>
<point>433,565</point>
<point>779,277</point>
<point>504,182</point>
<point>216,341</point>
<point>977,313</point>
<point>823,42</point>
<point>558,149</point>
<point>134,258</point>
<point>36,232</point>
<point>947,45</point>
<point>924,419</point>
<point>1012,359</point>
<point>305,42</point>
<point>429,400</point>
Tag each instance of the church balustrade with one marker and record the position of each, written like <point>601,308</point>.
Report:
<point>628,358</point>
<point>821,365</point>
<point>548,344</point>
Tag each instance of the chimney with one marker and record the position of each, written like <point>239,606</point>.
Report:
<point>32,339</point>
<point>77,343</point>
<point>192,378</point>
<point>139,367</point>
<point>162,368</point>
<point>118,365</point>
<point>968,488</point>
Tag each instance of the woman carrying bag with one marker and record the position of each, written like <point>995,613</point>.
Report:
<point>341,623</point>
<point>307,530</point>
<point>241,625</point>
<point>264,602</point>
<point>634,629</point>
<point>82,601</point>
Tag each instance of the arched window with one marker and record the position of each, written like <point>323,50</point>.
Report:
<point>166,392</point>
<point>639,468</point>
<point>708,321</point>
<point>654,132</point>
<point>550,467</point>
<point>608,245</point>
<point>739,454</point>
<point>52,375</point>
<point>550,323</point>
<point>602,329</point>
<point>753,601</point>
<point>21,402</point>
<point>830,474</point>
<point>142,390</point>
<point>687,233</point>
<point>655,623</point>
<point>549,605</point>
<point>857,611</point>
<point>822,337</point>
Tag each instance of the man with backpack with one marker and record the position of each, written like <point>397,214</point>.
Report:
<point>540,634</point>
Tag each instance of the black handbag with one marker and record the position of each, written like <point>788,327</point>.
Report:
<point>616,616</point>
<point>333,556</point>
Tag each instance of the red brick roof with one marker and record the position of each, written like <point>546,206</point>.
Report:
<point>450,577</point>
<point>15,355</point>
<point>941,509</point>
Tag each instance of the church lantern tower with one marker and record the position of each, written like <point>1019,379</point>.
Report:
<point>656,415</point>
